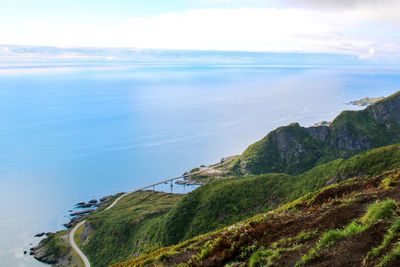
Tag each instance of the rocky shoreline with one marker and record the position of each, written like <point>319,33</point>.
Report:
<point>42,253</point>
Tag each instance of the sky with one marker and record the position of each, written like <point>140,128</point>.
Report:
<point>365,28</point>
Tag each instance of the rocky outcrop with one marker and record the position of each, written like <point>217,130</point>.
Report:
<point>83,212</point>
<point>387,110</point>
<point>290,149</point>
<point>41,254</point>
<point>318,132</point>
<point>56,252</point>
<point>73,221</point>
<point>93,201</point>
<point>105,198</point>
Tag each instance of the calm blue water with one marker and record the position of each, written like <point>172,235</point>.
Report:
<point>70,134</point>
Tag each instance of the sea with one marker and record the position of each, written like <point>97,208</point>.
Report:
<point>72,132</point>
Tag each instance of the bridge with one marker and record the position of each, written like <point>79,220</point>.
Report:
<point>158,183</point>
<point>81,255</point>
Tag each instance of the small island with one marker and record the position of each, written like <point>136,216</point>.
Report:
<point>366,101</point>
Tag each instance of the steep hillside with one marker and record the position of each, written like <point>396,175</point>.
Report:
<point>224,202</point>
<point>120,232</point>
<point>146,221</point>
<point>354,223</point>
<point>293,149</point>
<point>111,235</point>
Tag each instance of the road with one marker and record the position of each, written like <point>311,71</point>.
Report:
<point>75,247</point>
<point>72,233</point>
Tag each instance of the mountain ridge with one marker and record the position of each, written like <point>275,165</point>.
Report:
<point>294,149</point>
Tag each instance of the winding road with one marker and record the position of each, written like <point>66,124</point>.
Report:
<point>75,228</point>
<point>75,247</point>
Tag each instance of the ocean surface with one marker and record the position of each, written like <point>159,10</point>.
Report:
<point>74,132</point>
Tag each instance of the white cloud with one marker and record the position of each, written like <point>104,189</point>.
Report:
<point>339,3</point>
<point>355,31</point>
<point>369,54</point>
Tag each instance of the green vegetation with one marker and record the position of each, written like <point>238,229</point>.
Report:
<point>377,211</point>
<point>366,101</point>
<point>266,257</point>
<point>222,203</point>
<point>293,149</point>
<point>77,236</point>
<point>367,164</point>
<point>392,234</point>
<point>278,238</point>
<point>227,201</point>
<point>56,246</point>
<point>223,169</point>
<point>125,230</point>
<point>394,253</point>
<point>146,221</point>
<point>288,149</point>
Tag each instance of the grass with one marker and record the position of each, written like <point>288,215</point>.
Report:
<point>77,236</point>
<point>55,245</point>
<point>247,242</point>
<point>392,234</point>
<point>394,253</point>
<point>266,257</point>
<point>391,181</point>
<point>125,230</point>
<point>378,210</point>
<point>227,201</point>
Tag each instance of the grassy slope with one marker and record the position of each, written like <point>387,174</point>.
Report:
<point>145,221</point>
<point>120,233</point>
<point>224,202</point>
<point>219,204</point>
<point>351,224</point>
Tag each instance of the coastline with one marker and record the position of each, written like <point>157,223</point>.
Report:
<point>196,177</point>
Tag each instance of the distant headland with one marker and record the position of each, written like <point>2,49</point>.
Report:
<point>366,101</point>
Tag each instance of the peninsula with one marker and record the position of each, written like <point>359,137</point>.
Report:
<point>366,101</point>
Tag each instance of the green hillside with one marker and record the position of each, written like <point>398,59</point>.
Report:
<point>293,149</point>
<point>145,221</point>
<point>224,202</point>
<point>167,219</point>
<point>354,223</point>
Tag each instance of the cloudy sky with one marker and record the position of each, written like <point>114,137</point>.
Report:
<point>366,28</point>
